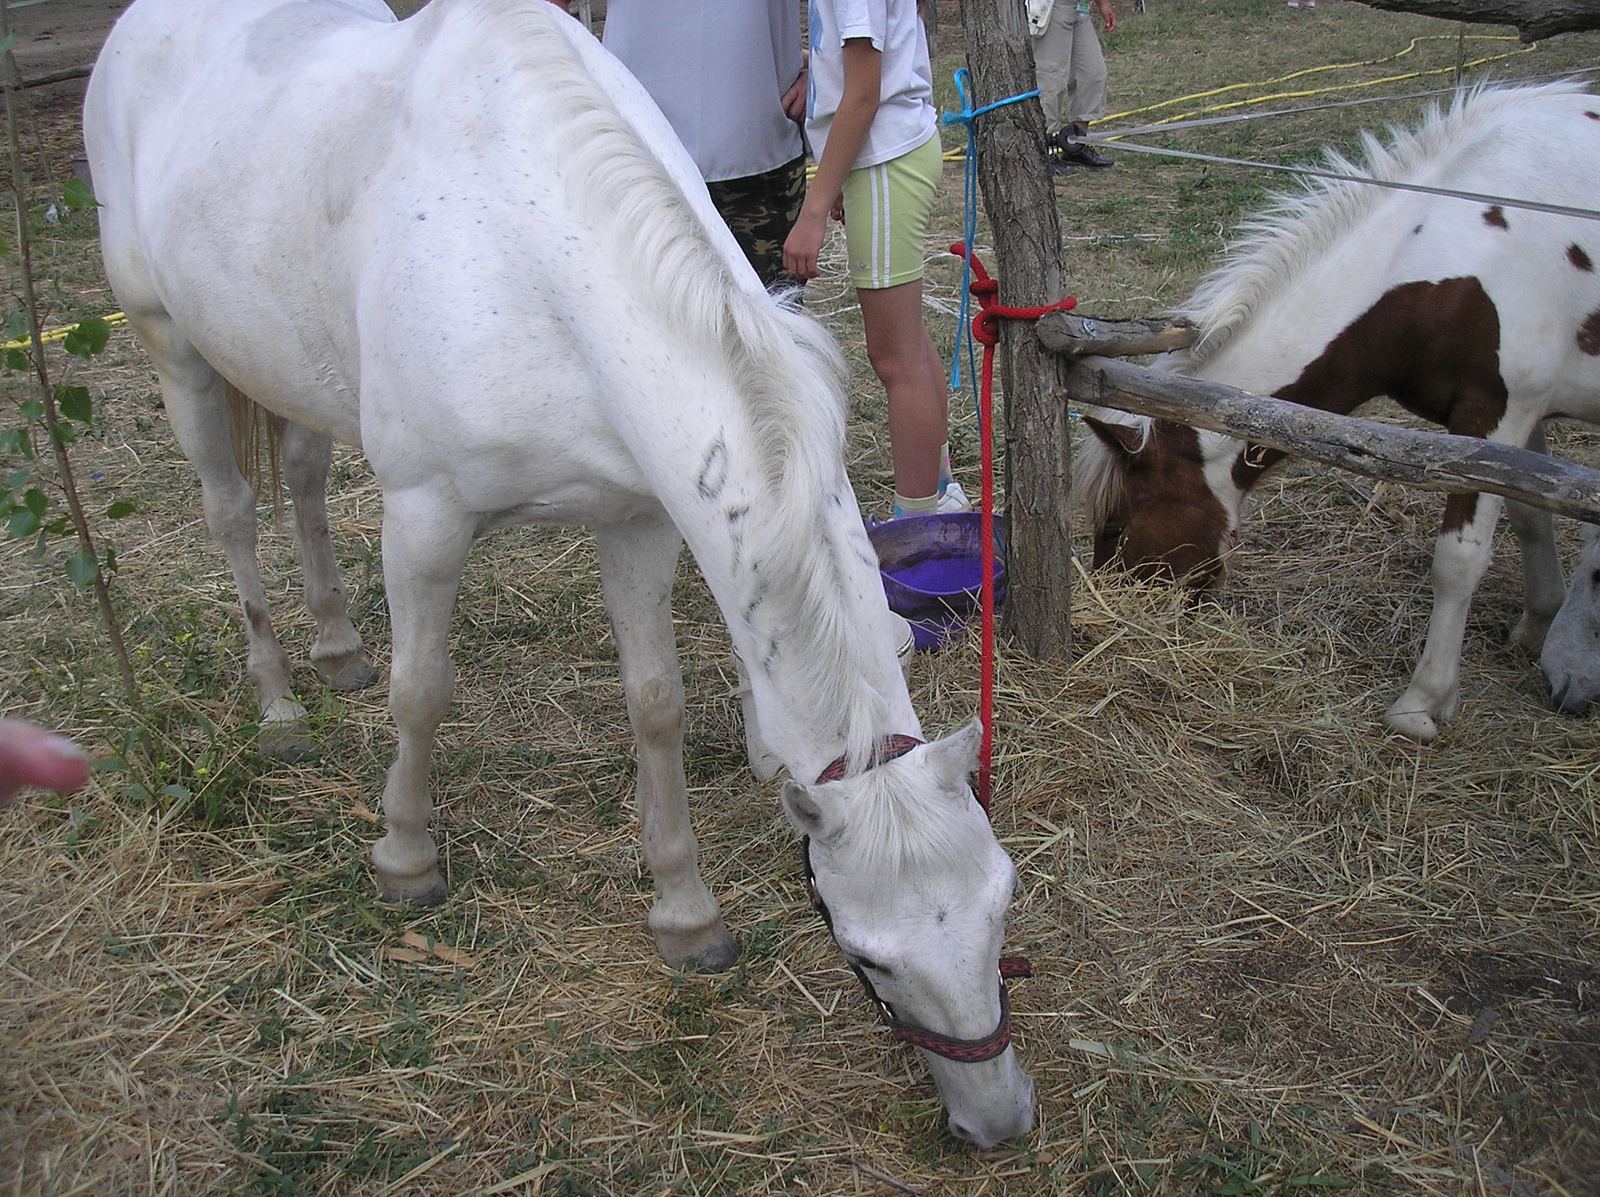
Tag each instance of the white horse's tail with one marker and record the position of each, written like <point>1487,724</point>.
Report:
<point>256,436</point>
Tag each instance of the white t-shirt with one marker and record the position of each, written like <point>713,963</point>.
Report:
<point>718,70</point>
<point>906,115</point>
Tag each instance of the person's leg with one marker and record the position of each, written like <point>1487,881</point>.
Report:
<point>904,358</point>
<point>1052,64</point>
<point>760,210</point>
<point>886,218</point>
<point>1086,97</point>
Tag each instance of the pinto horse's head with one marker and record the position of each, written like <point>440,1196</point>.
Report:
<point>915,888</point>
<point>1147,489</point>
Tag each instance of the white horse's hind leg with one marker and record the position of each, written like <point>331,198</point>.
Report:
<point>1544,588</point>
<point>338,655</point>
<point>193,394</point>
<point>1459,560</point>
<point>637,563</point>
<point>425,543</point>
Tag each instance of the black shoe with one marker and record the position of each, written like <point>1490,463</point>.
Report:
<point>1081,153</point>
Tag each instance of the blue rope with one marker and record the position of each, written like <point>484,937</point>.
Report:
<point>969,223</point>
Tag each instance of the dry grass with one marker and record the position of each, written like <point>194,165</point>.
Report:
<point>1277,951</point>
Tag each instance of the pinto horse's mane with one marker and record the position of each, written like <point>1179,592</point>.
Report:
<point>1277,244</point>
<point>783,364</point>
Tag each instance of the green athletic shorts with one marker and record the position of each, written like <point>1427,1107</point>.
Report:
<point>886,211</point>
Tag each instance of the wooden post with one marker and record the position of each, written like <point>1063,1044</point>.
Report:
<point>1020,199</point>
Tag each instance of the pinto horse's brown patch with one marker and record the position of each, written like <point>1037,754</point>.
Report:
<point>1589,334</point>
<point>1495,217</point>
<point>1578,258</point>
<point>1434,348</point>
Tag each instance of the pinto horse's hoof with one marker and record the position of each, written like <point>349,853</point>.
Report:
<point>355,674</point>
<point>425,889</point>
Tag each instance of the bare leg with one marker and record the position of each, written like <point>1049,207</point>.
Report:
<point>1459,560</point>
<point>905,361</point>
<point>193,393</point>
<point>425,543</point>
<point>338,655</point>
<point>1544,588</point>
<point>637,563</point>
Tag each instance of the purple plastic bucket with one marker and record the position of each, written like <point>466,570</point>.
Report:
<point>932,569</point>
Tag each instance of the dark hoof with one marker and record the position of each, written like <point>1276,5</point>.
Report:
<point>356,674</point>
<point>720,957</point>
<point>290,743</point>
<point>428,889</point>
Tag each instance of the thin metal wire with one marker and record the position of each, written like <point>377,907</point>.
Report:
<point>1476,197</point>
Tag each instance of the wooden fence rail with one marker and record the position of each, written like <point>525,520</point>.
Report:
<point>1429,460</point>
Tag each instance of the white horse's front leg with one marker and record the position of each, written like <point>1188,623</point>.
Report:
<point>637,562</point>
<point>340,659</point>
<point>1544,588</point>
<point>1459,560</point>
<point>425,544</point>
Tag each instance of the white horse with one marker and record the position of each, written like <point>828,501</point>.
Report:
<point>1571,655</point>
<point>469,244</point>
<point>1482,317</point>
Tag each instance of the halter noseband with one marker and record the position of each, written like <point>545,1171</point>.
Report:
<point>962,1051</point>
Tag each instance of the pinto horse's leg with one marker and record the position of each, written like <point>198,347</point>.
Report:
<point>637,563</point>
<point>340,659</point>
<point>425,543</point>
<point>1460,557</point>
<point>193,394</point>
<point>1544,588</point>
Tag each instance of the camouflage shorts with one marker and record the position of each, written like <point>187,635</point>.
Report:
<point>761,209</point>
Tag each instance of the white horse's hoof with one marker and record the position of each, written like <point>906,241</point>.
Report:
<point>712,951</point>
<point>425,889</point>
<point>1412,723</point>
<point>289,741</point>
<point>356,673</point>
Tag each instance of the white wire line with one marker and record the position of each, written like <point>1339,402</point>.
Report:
<point>1474,196</point>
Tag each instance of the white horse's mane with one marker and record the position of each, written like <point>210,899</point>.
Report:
<point>1277,243</point>
<point>784,365</point>
<point>897,827</point>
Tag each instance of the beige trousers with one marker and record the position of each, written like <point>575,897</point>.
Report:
<point>1070,68</point>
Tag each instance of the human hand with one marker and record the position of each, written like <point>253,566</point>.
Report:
<point>1108,15</point>
<point>804,243</point>
<point>794,100</point>
<point>31,756</point>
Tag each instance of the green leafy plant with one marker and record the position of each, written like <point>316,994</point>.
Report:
<point>53,414</point>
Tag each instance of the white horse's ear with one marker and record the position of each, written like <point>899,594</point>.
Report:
<point>810,812</point>
<point>953,758</point>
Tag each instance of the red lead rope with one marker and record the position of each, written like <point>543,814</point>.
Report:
<point>986,328</point>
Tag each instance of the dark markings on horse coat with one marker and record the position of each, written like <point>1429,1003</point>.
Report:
<point>1589,334</point>
<point>260,622</point>
<point>713,471</point>
<point>1434,348</point>
<point>1594,116</point>
<point>1578,258</point>
<point>1494,217</point>
<point>1416,231</point>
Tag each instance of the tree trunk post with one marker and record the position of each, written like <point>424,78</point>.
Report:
<point>1019,197</point>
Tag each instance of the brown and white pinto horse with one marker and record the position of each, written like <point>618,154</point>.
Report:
<point>1483,318</point>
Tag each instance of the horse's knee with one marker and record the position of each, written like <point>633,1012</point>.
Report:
<point>658,713</point>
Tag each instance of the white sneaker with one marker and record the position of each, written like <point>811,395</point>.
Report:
<point>953,499</point>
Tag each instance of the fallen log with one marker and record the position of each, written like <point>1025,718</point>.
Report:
<point>1427,460</point>
<point>1079,335</point>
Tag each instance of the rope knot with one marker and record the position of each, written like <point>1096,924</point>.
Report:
<point>986,290</point>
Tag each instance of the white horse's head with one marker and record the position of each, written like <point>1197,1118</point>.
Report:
<point>916,887</point>
<point>1571,655</point>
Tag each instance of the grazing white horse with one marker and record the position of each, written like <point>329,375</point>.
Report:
<point>469,244</point>
<point>1481,317</point>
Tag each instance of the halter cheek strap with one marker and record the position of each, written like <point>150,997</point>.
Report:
<point>962,1051</point>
